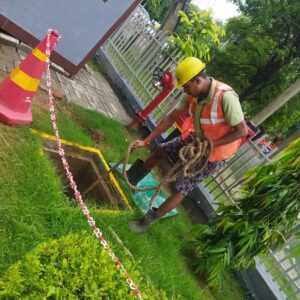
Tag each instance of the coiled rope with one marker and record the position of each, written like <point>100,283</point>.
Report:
<point>198,151</point>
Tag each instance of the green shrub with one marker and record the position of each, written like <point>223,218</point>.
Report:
<point>263,217</point>
<point>73,267</point>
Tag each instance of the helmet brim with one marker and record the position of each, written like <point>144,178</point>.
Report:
<point>178,85</point>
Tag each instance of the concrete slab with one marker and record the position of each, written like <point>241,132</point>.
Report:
<point>89,69</point>
<point>24,48</point>
<point>9,66</point>
<point>8,40</point>
<point>59,69</point>
<point>9,53</point>
<point>16,62</point>
<point>3,64</point>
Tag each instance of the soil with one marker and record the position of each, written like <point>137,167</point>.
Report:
<point>89,173</point>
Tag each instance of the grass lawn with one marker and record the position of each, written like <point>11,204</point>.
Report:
<point>34,208</point>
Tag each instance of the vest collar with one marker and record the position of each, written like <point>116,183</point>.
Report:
<point>209,98</point>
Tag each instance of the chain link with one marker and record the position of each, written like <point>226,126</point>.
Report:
<point>73,185</point>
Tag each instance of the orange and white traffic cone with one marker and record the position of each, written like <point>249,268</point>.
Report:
<point>18,89</point>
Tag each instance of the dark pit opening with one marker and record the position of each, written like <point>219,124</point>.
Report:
<point>89,173</point>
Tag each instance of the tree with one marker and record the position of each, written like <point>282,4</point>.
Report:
<point>171,21</point>
<point>293,110</point>
<point>154,3</point>
<point>158,9</point>
<point>262,217</point>
<point>260,56</point>
<point>286,120</point>
<point>196,34</point>
<point>275,29</point>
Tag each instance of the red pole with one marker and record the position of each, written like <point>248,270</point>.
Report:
<point>167,82</point>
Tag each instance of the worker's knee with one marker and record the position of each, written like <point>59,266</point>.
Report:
<point>155,158</point>
<point>159,153</point>
<point>178,196</point>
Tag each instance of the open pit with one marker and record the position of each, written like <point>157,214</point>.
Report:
<point>89,173</point>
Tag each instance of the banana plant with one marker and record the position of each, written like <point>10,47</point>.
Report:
<point>261,218</point>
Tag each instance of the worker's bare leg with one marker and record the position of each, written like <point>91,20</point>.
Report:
<point>173,201</point>
<point>152,215</point>
<point>155,158</point>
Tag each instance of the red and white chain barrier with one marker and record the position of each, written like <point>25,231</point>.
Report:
<point>73,185</point>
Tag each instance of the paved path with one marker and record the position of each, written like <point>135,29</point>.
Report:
<point>88,88</point>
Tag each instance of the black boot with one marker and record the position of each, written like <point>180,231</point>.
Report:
<point>143,223</point>
<point>137,172</point>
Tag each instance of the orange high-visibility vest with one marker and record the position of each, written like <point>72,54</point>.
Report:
<point>212,122</point>
<point>187,126</point>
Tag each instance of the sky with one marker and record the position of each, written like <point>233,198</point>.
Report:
<point>222,9</point>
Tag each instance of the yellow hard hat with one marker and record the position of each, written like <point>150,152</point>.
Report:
<point>188,69</point>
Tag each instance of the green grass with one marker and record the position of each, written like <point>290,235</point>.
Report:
<point>34,209</point>
<point>159,255</point>
<point>75,125</point>
<point>33,206</point>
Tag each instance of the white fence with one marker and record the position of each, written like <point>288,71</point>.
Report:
<point>136,49</point>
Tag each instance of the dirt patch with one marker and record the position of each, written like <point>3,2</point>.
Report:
<point>96,134</point>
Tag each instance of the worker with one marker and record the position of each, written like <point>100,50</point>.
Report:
<point>215,112</point>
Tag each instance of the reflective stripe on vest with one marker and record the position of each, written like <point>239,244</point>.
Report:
<point>212,122</point>
<point>217,99</point>
<point>214,127</point>
<point>188,124</point>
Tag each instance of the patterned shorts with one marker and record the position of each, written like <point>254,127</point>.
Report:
<point>186,185</point>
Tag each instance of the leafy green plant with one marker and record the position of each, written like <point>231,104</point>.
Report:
<point>158,9</point>
<point>197,33</point>
<point>73,267</point>
<point>261,218</point>
<point>154,3</point>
